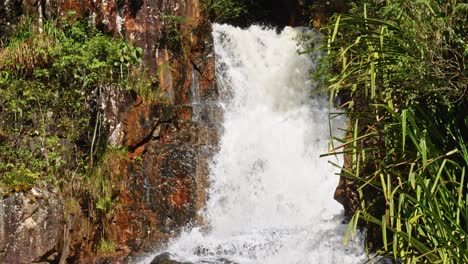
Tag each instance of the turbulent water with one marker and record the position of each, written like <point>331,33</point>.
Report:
<point>270,195</point>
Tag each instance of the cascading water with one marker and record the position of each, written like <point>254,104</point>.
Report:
<point>270,196</point>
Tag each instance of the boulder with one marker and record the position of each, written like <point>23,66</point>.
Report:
<point>30,226</point>
<point>165,258</point>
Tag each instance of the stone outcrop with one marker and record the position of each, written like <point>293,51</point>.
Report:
<point>346,191</point>
<point>30,226</point>
<point>166,258</point>
<point>165,176</point>
<point>350,192</point>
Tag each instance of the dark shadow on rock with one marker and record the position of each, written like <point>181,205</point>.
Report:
<point>388,260</point>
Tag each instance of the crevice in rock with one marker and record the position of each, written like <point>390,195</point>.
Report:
<point>50,256</point>
<point>149,137</point>
<point>135,7</point>
<point>195,66</point>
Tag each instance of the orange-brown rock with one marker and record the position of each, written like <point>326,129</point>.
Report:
<point>160,185</point>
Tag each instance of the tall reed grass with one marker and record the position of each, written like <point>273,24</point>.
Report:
<point>401,69</point>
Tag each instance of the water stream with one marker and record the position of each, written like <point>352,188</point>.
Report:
<point>270,196</point>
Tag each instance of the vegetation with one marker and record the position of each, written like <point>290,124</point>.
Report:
<point>56,77</point>
<point>49,85</point>
<point>106,247</point>
<point>172,37</point>
<point>400,68</point>
<point>51,82</point>
<point>224,10</point>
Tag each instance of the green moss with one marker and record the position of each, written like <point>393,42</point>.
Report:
<point>106,247</point>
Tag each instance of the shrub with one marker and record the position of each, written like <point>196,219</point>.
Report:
<point>224,10</point>
<point>49,84</point>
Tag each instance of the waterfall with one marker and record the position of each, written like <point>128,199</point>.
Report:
<point>270,195</point>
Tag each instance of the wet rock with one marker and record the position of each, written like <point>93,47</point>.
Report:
<point>140,122</point>
<point>166,258</point>
<point>30,226</point>
<point>225,261</point>
<point>346,191</point>
<point>388,260</point>
<point>165,179</point>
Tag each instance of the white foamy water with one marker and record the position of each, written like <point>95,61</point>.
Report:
<point>270,196</point>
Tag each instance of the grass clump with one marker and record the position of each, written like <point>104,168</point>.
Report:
<point>400,69</point>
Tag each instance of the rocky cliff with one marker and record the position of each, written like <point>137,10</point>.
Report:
<point>158,184</point>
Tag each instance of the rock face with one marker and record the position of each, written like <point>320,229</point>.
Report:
<point>161,183</point>
<point>164,180</point>
<point>346,191</point>
<point>30,226</point>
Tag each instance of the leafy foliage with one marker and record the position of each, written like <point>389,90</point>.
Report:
<point>400,68</point>
<point>52,133</point>
<point>49,82</point>
<point>224,10</point>
<point>419,52</point>
<point>172,37</point>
